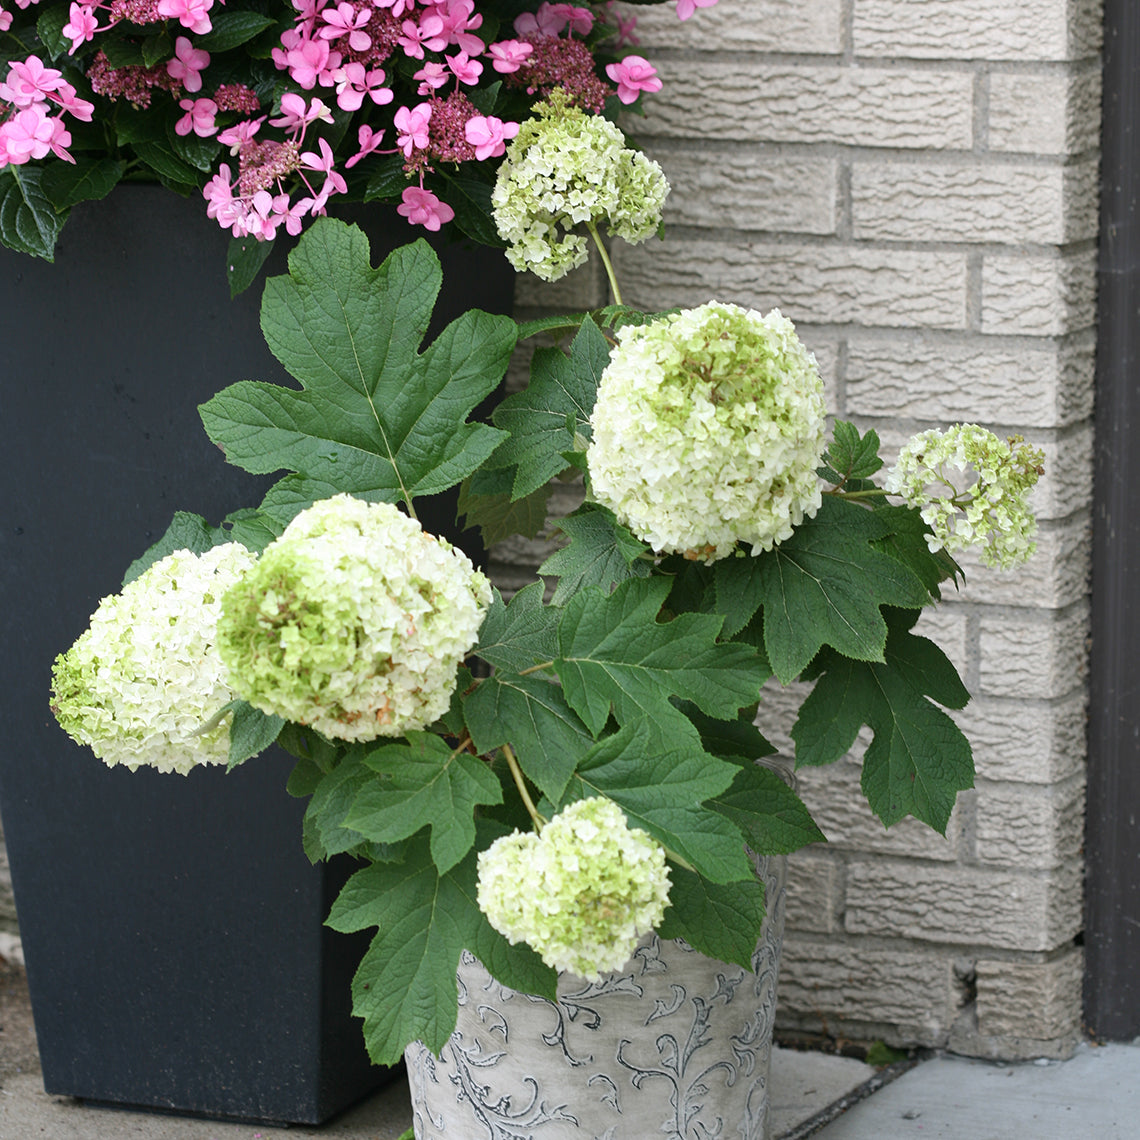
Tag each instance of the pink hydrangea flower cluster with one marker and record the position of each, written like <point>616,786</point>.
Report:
<point>32,98</point>
<point>341,56</point>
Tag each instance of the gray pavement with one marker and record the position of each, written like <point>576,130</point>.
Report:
<point>1096,1094</point>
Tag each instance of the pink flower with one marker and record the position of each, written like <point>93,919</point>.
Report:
<point>580,20</point>
<point>488,135</point>
<point>345,20</point>
<point>685,8</point>
<point>323,162</point>
<point>508,56</point>
<point>432,76</point>
<point>369,141</point>
<point>296,115</point>
<point>239,134</point>
<point>311,61</point>
<point>199,118</point>
<point>632,76</point>
<point>412,126</point>
<point>544,22</point>
<point>458,21</point>
<point>466,70</point>
<point>29,82</point>
<point>6,21</point>
<point>353,83</point>
<point>28,134</point>
<point>190,14</point>
<point>68,99</point>
<point>416,35</point>
<point>80,27</point>
<point>422,208</point>
<point>188,61</point>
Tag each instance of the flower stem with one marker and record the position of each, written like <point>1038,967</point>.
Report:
<point>606,262</point>
<point>535,668</point>
<point>520,783</point>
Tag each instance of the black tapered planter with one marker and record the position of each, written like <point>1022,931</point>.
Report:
<point>172,926</point>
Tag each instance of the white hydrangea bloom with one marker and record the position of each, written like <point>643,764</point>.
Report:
<point>353,622</point>
<point>972,489</point>
<point>707,430</point>
<point>564,168</point>
<point>582,893</point>
<point>145,676</point>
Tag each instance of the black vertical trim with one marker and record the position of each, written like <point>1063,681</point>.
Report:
<point>1112,845</point>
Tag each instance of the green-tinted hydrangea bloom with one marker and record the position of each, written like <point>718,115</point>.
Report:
<point>353,622</point>
<point>565,168</point>
<point>145,676</point>
<point>707,430</point>
<point>986,504</point>
<point>581,893</point>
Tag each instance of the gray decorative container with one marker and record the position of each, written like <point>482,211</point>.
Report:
<point>676,1046</point>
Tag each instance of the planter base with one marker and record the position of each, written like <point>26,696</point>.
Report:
<point>675,1045</point>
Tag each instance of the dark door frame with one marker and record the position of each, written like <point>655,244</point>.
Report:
<point>1112,836</point>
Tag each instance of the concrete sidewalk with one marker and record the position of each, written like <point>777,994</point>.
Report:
<point>1096,1094</point>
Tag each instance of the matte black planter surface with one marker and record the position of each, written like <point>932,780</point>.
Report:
<point>172,925</point>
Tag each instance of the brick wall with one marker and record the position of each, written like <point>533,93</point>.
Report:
<point>913,182</point>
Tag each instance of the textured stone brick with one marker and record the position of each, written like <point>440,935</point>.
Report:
<point>964,905</point>
<point>931,377</point>
<point>1055,577</point>
<point>1030,999</point>
<point>815,893</point>
<point>837,805</point>
<point>749,190</point>
<point>831,981</point>
<point>1020,825</point>
<point>972,202</point>
<point>788,26</point>
<point>825,348</point>
<point>582,288</point>
<point>811,104</point>
<point>1033,742</point>
<point>976,29</point>
<point>808,283</point>
<point>1038,295</point>
<point>1044,114</point>
<point>1033,657</point>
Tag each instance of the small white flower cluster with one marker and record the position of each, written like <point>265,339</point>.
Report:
<point>991,512</point>
<point>142,680</point>
<point>582,893</point>
<point>353,622</point>
<point>707,430</point>
<point>565,168</point>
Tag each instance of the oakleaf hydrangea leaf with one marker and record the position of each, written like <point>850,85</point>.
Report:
<point>531,715</point>
<point>424,784</point>
<point>771,817</point>
<point>552,415</point>
<point>405,987</point>
<point>721,920</point>
<point>824,586</point>
<point>659,774</point>
<point>485,501</point>
<point>918,759</point>
<point>520,633</point>
<point>851,459</point>
<point>601,552</point>
<point>614,654</point>
<point>383,420</point>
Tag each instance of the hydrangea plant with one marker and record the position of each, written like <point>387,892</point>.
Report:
<point>541,778</point>
<point>270,110</point>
